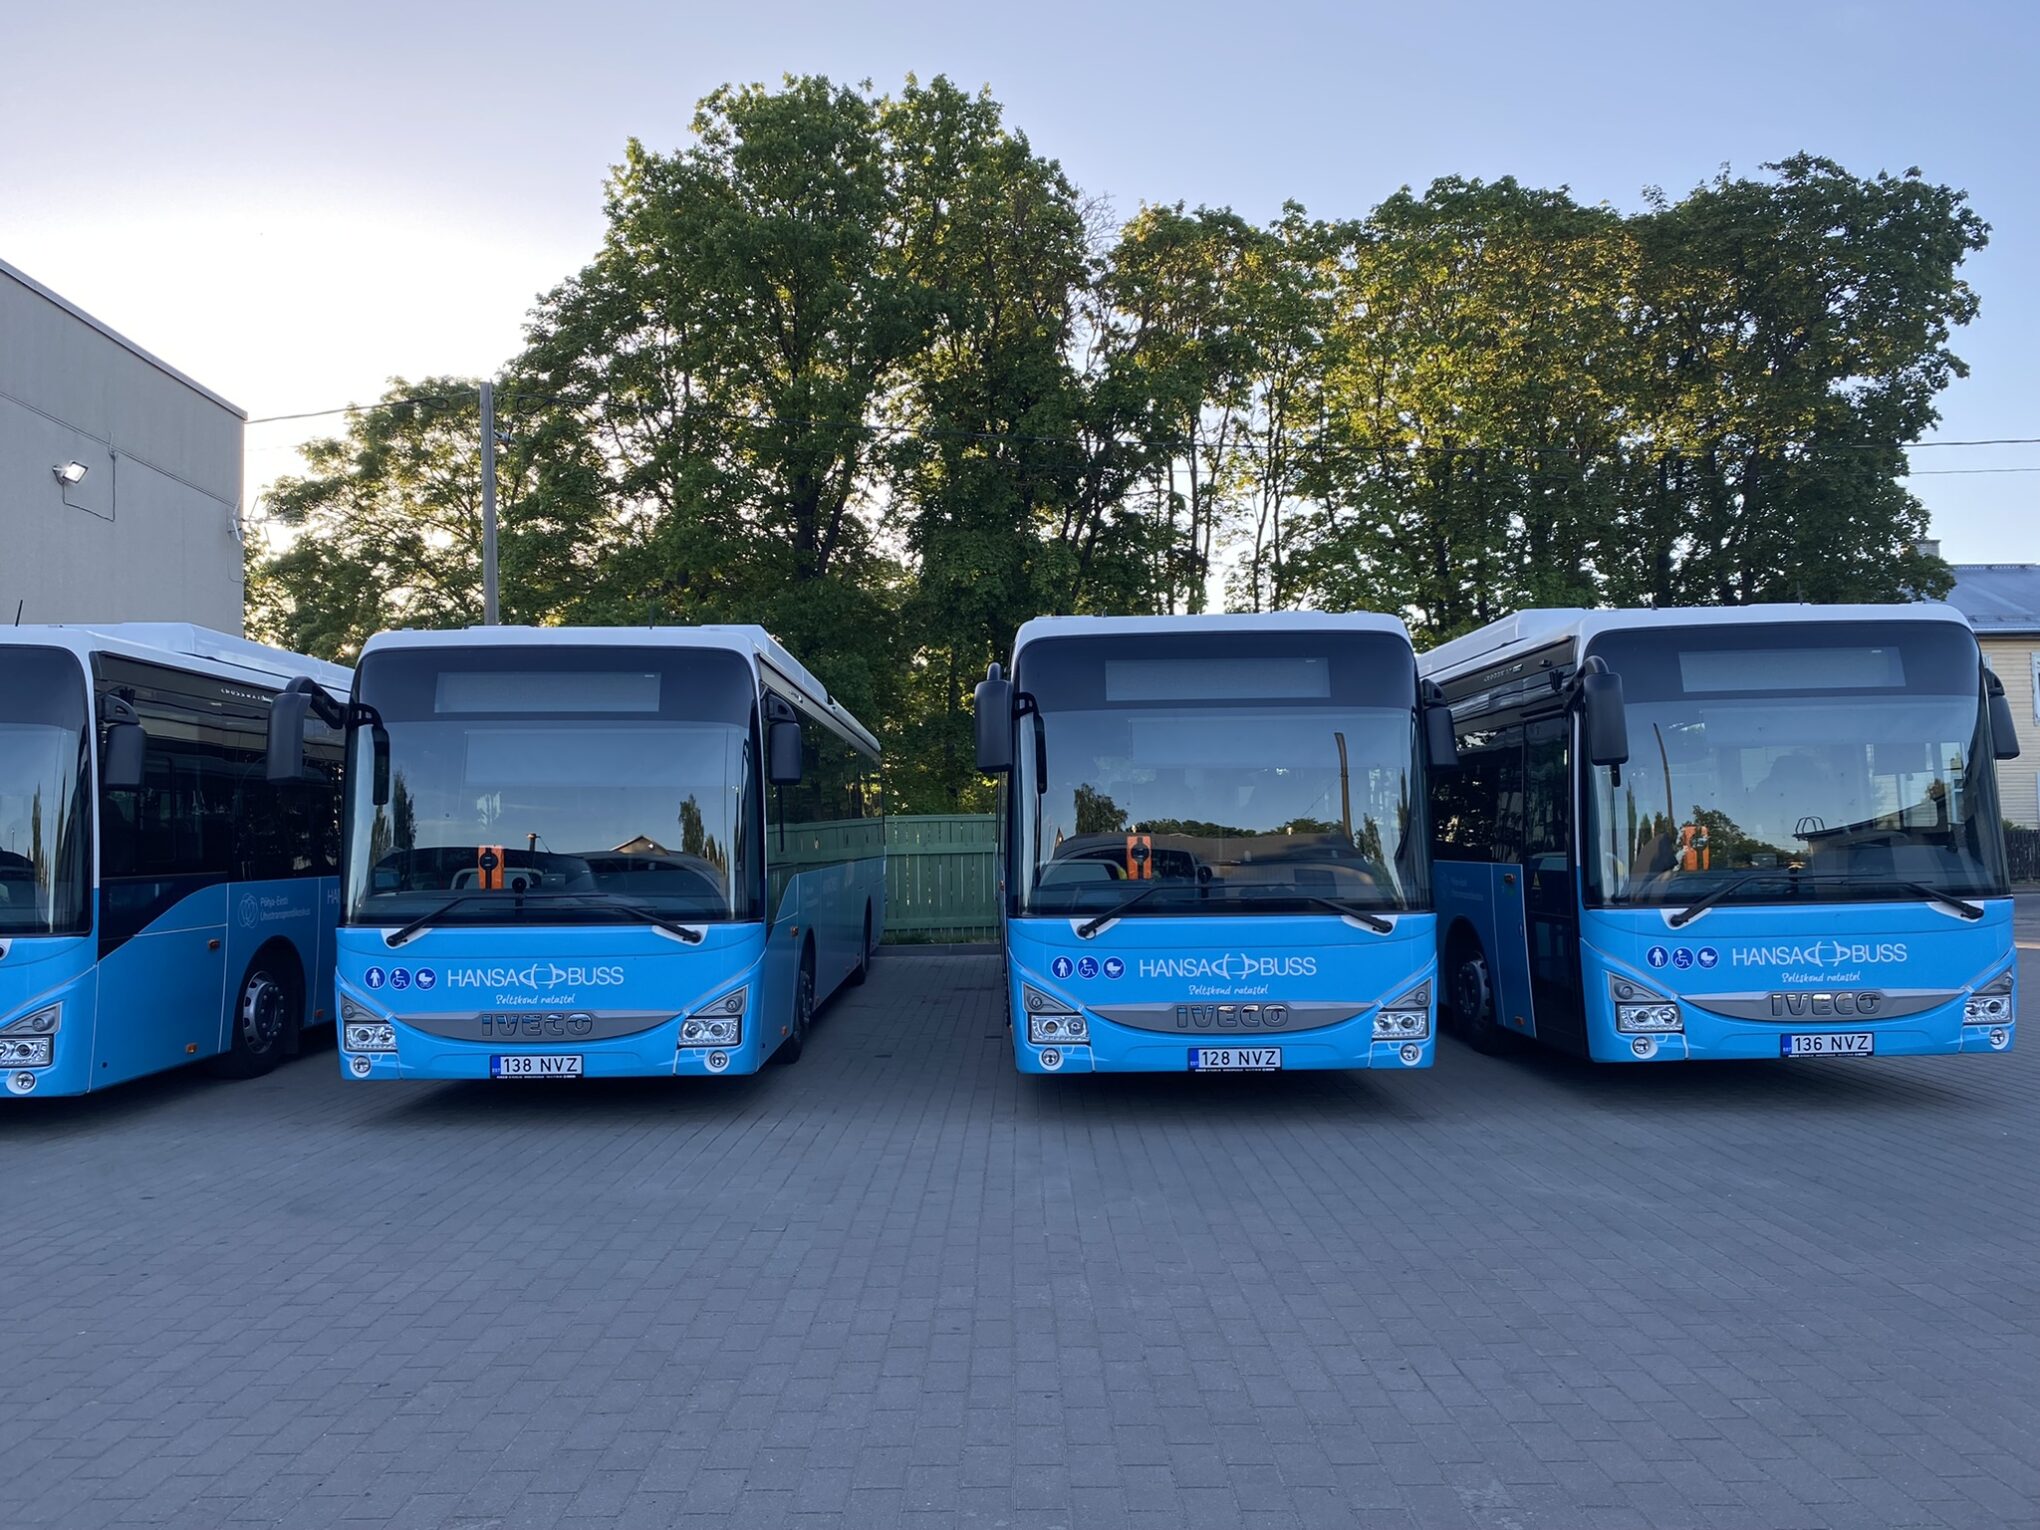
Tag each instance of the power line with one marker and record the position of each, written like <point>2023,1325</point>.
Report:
<point>876,431</point>
<point>1951,472</point>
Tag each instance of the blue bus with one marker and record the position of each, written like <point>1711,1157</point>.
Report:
<point>1213,852</point>
<point>1763,831</point>
<point>597,852</point>
<point>161,900</point>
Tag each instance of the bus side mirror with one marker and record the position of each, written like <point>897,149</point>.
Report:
<point>120,766</point>
<point>2004,733</point>
<point>1441,739</point>
<point>1605,717</point>
<point>992,706</point>
<point>286,751</point>
<point>379,764</point>
<point>782,753</point>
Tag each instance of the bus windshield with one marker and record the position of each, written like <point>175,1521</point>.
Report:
<point>44,886</point>
<point>1845,759</point>
<point>561,785</point>
<point>1218,774</point>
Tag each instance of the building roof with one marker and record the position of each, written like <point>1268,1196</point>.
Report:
<point>1533,628</point>
<point>1999,598</point>
<point>118,338</point>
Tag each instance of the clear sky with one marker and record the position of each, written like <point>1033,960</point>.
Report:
<point>294,202</point>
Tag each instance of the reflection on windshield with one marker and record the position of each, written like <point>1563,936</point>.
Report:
<point>652,812</point>
<point>1229,809</point>
<point>1875,790</point>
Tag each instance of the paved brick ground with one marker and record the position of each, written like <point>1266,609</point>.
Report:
<point>898,1285</point>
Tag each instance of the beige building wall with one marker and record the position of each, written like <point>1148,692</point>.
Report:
<point>2012,660</point>
<point>151,533</point>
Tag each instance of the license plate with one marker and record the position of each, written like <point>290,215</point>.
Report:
<point>534,1065</point>
<point>1828,1044</point>
<point>1235,1059</point>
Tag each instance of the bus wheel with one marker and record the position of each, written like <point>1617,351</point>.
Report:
<point>803,1011</point>
<point>863,968</point>
<point>1473,998</point>
<point>266,1017</point>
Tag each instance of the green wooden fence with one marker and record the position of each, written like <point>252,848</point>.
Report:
<point>941,877</point>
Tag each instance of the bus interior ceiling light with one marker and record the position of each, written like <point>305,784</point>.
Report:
<point>70,472</point>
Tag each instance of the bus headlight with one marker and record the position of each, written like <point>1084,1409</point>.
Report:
<point>1995,1003</point>
<point>1642,1011</point>
<point>1406,1018</point>
<point>26,1051</point>
<point>717,1024</point>
<point>1648,1018</point>
<point>43,1022</point>
<point>1050,1020</point>
<point>363,1030</point>
<point>1057,1028</point>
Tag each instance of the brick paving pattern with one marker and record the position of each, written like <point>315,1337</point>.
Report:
<point>898,1285</point>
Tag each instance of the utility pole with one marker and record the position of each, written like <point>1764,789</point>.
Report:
<point>488,504</point>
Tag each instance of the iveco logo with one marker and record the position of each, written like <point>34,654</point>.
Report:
<point>1865,1002</point>
<point>537,1027</point>
<point>1231,1017</point>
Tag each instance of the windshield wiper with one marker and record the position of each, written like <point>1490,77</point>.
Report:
<point>1708,900</point>
<point>1368,917</point>
<point>650,916</point>
<point>1372,920</point>
<point>411,930</point>
<point>1098,922</point>
<point>1961,906</point>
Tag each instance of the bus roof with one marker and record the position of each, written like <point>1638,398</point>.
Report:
<point>1539,627</point>
<point>199,649</point>
<point>1259,621</point>
<point>752,643</point>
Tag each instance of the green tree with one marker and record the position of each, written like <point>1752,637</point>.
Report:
<point>384,528</point>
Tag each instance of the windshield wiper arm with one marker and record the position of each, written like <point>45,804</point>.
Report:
<point>410,931</point>
<point>1098,922</point>
<point>1926,890</point>
<point>1707,900</point>
<point>1372,920</point>
<point>650,916</point>
<point>1368,917</point>
<point>1961,906</point>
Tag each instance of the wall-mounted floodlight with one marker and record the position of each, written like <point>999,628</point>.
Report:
<point>71,472</point>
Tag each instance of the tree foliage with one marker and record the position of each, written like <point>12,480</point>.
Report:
<point>869,370</point>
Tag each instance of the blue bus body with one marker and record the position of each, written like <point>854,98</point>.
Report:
<point>579,867</point>
<point>1799,854</point>
<point>1212,844</point>
<point>185,914</point>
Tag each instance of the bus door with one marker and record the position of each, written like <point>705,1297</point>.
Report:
<point>1550,897</point>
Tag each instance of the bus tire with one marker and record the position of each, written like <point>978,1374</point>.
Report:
<point>803,1010</point>
<point>1470,991</point>
<point>269,1010</point>
<point>863,968</point>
